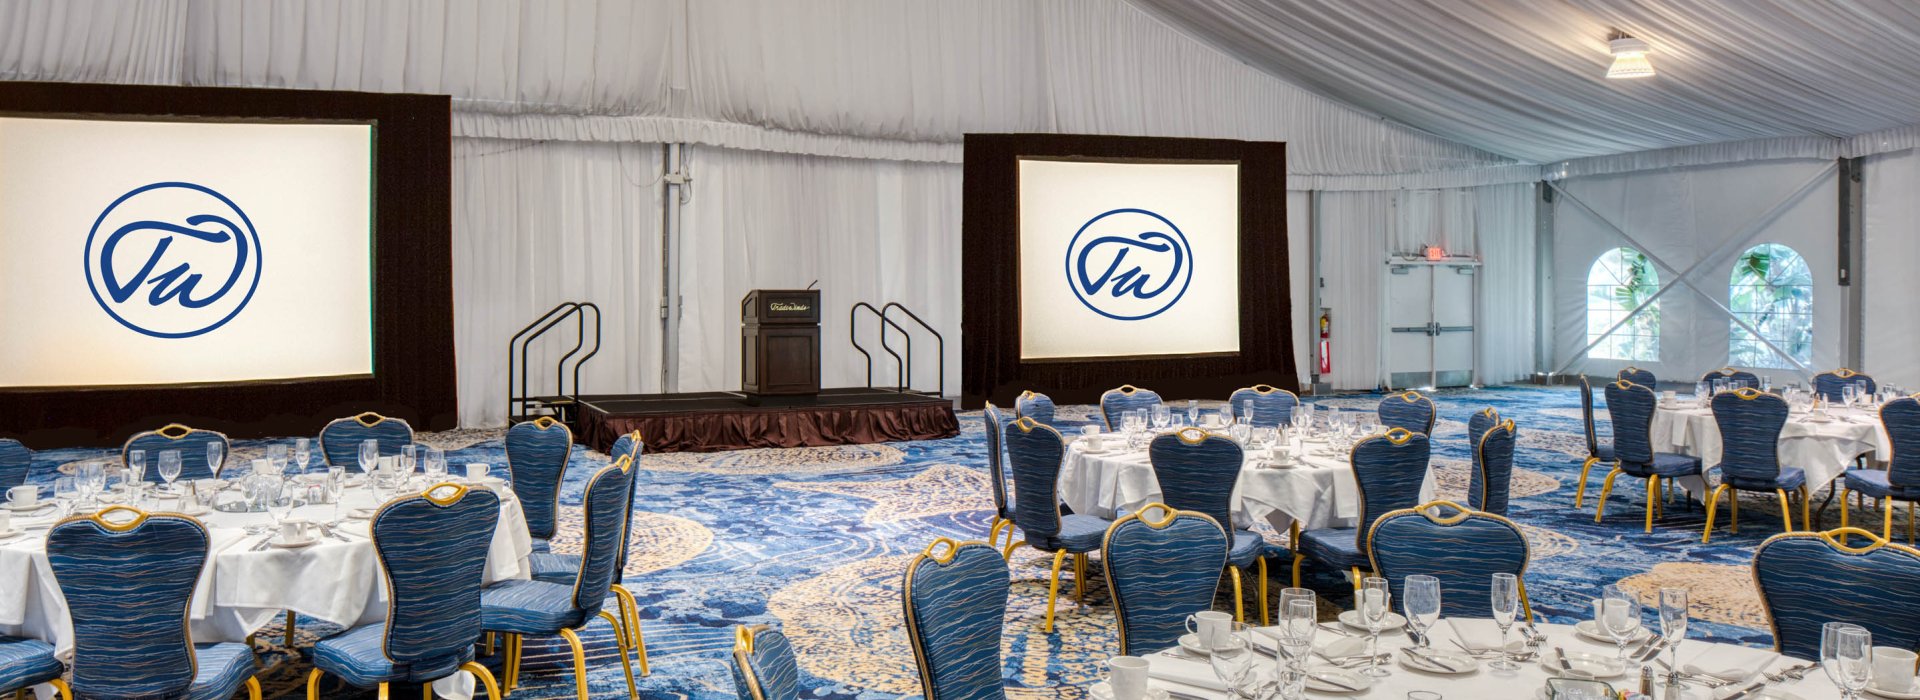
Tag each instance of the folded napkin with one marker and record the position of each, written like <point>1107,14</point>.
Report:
<point>1198,674</point>
<point>1343,647</point>
<point>1729,662</point>
<point>1478,633</point>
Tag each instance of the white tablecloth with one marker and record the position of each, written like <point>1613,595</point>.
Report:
<point>242,590</point>
<point>1824,450</point>
<point>1529,681</point>
<point>1319,493</point>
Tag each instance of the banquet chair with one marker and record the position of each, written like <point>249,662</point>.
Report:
<point>1408,411</point>
<point>537,453</point>
<point>128,584</point>
<point>1463,549</point>
<point>1596,451</point>
<point>1035,405</point>
<point>955,603</point>
<point>1807,579</point>
<point>15,461</point>
<point>1750,422</point>
<point>763,665</point>
<point>432,548</point>
<point>521,607</point>
<point>1829,384</point>
<point>1036,452</point>
<point>997,471</point>
<point>1127,397</point>
<point>25,663</point>
<point>1637,376</point>
<point>340,439</point>
<point>1900,481</point>
<point>191,443</point>
<point>1198,471</point>
<point>1731,374</point>
<point>1389,470</point>
<point>1272,407</point>
<point>1631,406</point>
<point>1162,565</point>
<point>561,568</point>
<point>1491,482</point>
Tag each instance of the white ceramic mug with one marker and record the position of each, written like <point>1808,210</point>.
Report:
<point>293,530</point>
<point>23,496</point>
<point>476,471</point>
<point>1210,625</point>
<point>1127,675</point>
<point>1893,669</point>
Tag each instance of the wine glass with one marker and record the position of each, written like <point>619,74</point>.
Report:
<point>435,465</point>
<point>1193,412</point>
<point>170,470</point>
<point>302,453</point>
<point>66,492</point>
<point>216,457</point>
<point>1423,604</point>
<point>1673,626</point>
<point>1231,656</point>
<point>277,454</point>
<point>137,463</point>
<point>1375,602</point>
<point>1846,652</point>
<point>1848,394</point>
<point>336,488</point>
<point>1506,605</point>
<point>93,477</point>
<point>279,494</point>
<point>1619,617</point>
<point>369,455</point>
<point>1162,417</point>
<point>1299,620</point>
<point>1245,416</point>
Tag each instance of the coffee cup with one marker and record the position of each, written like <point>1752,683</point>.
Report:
<point>476,471</point>
<point>1127,676</point>
<point>1096,442</point>
<point>1210,626</point>
<point>1669,396</point>
<point>23,496</point>
<point>1893,669</point>
<point>293,530</point>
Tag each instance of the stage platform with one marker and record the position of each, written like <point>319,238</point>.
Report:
<point>725,420</point>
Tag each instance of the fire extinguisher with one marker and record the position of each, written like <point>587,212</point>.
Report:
<point>1326,341</point>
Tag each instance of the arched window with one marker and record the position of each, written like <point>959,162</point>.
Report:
<point>1772,291</point>
<point>1619,282</point>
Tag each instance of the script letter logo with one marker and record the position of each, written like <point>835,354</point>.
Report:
<point>1129,264</point>
<point>172,260</point>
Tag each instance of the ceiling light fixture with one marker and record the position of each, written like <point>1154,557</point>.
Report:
<point>1629,58</point>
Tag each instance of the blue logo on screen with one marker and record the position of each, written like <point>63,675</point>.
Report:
<point>173,260</point>
<point>1129,264</point>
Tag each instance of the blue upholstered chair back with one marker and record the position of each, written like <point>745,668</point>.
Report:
<point>1124,399</point>
<point>1162,565</point>
<point>1631,406</point>
<point>1807,579</point>
<point>1750,424</point>
<point>1409,411</point>
<point>1731,374</point>
<point>537,453</point>
<point>606,514</point>
<point>190,442</point>
<point>996,470</point>
<point>15,460</point>
<point>1491,483</point>
<point>955,602</point>
<point>1271,406</point>
<point>1586,416</point>
<point>630,445</point>
<point>1477,425</point>
<point>1462,548</point>
<point>1197,471</point>
<point>1389,470</point>
<point>340,439</point>
<point>1828,384</point>
<point>1637,376</point>
<point>1035,450</point>
<point>433,548</point>
<point>1901,418</point>
<point>127,587</point>
<point>1034,405</point>
<point>764,667</point>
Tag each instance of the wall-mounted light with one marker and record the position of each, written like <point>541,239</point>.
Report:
<point>1629,58</point>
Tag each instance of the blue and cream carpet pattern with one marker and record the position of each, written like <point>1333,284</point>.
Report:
<point>815,541</point>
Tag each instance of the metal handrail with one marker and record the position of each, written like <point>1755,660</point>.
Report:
<point>939,340</point>
<point>522,340</point>
<point>853,334</point>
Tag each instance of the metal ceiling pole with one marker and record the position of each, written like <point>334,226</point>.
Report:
<point>670,297</point>
<point>1852,260</point>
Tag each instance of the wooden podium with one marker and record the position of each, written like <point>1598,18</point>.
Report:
<point>780,342</point>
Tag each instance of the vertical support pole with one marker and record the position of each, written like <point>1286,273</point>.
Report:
<point>1852,258</point>
<point>1545,302</point>
<point>1315,291</point>
<point>672,242</point>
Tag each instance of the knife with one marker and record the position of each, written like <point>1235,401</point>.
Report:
<point>1332,682</point>
<point>1431,659</point>
<point>1749,690</point>
<point>1560,655</point>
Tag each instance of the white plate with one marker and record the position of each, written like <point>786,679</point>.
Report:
<point>294,544</point>
<point>491,480</point>
<point>1585,665</point>
<point>1456,662</point>
<point>360,513</point>
<point>38,505</point>
<point>1592,632</point>
<point>1191,643</point>
<point>194,511</point>
<point>1394,622</point>
<point>11,533</point>
<point>1911,693</point>
<point>1102,691</point>
<point>1354,680</point>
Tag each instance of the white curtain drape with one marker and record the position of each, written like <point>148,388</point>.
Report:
<point>1353,236</point>
<point>536,224</point>
<point>1504,217</point>
<point>1892,329</point>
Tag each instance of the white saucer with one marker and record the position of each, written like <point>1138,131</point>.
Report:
<point>194,510</point>
<point>1352,679</point>
<point>1102,691</point>
<point>294,544</point>
<point>38,505</point>
<point>1585,665</point>
<point>1456,663</point>
<point>491,480</point>
<point>12,533</point>
<point>1191,643</point>
<point>1592,632</point>
<point>1393,623</point>
<point>1911,693</point>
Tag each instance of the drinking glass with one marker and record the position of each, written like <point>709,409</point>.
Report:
<point>1766,382</point>
<point>1193,411</point>
<point>435,465</point>
<point>1849,394</point>
<point>137,466</point>
<point>1245,416</point>
<point>369,455</point>
<point>1298,623</point>
<point>93,477</point>
<point>252,489</point>
<point>1619,617</point>
<point>1369,423</point>
<point>1375,602</point>
<point>1846,652</point>
<point>1701,392</point>
<point>1162,417</point>
<point>277,455</point>
<point>1506,605</point>
<point>279,494</point>
<point>216,458</point>
<point>170,470</point>
<point>1300,420</point>
<point>302,452</point>
<point>1231,656</point>
<point>66,492</point>
<point>1673,626</point>
<point>1422,604</point>
<point>1860,390</point>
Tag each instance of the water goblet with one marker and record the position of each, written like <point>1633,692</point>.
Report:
<point>1162,417</point>
<point>92,477</point>
<point>369,455</point>
<point>1374,602</point>
<point>1846,653</point>
<point>1619,617</point>
<point>1193,412</point>
<point>1506,605</point>
<point>66,492</point>
<point>302,453</point>
<point>435,465</point>
<point>170,471</point>
<point>216,457</point>
<point>1231,656</point>
<point>1422,603</point>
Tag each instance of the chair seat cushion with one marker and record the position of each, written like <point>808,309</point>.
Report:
<point>1334,547</point>
<point>1872,482</point>
<point>1789,478</point>
<point>222,669</point>
<point>554,568</point>
<point>1604,451</point>
<point>355,655</point>
<point>26,662</point>
<point>529,607</point>
<point>541,545</point>
<point>1079,534</point>
<point>1664,464</point>
<point>1248,547</point>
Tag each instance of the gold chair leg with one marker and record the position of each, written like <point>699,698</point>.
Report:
<point>1296,569</point>
<point>289,633</point>
<point>1357,579</point>
<point>1263,591</point>
<point>486,679</point>
<point>1653,496</point>
<point>1053,587</point>
<point>383,691</point>
<point>1079,583</point>
<point>579,663</point>
<point>1733,504</point>
<point>313,685</point>
<point>1806,520</point>
<point>1605,491</point>
<point>253,688</point>
<point>426,691</point>
<point>634,636</point>
<point>1844,508</point>
<point>1239,606</point>
<point>60,684</point>
<point>513,664</point>
<point>1886,530</point>
<point>1786,510</point>
<point>1580,496</point>
<point>486,642</point>
<point>1713,503</point>
<point>1008,555</point>
<point>632,693</point>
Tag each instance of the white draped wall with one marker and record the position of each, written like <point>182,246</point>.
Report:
<point>1892,210</point>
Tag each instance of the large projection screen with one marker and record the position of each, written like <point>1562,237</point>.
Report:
<point>140,252</point>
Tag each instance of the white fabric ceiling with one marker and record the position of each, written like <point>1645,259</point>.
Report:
<point>1525,78</point>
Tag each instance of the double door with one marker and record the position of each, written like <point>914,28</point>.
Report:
<point>1431,307</point>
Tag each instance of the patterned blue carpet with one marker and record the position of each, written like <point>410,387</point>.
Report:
<point>815,541</point>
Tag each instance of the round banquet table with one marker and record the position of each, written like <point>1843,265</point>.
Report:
<point>242,589</point>
<point>1185,677</point>
<point>1823,450</point>
<point>1319,492</point>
